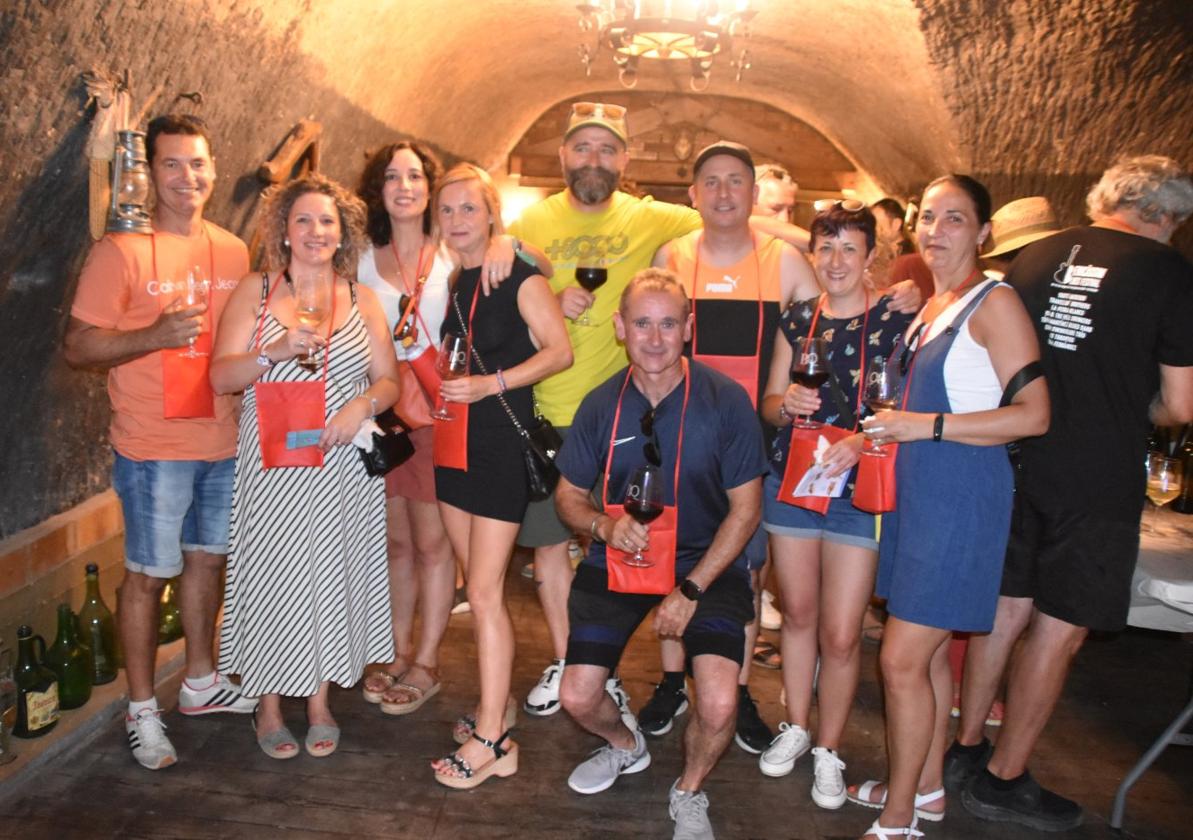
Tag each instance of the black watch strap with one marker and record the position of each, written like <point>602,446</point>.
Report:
<point>690,589</point>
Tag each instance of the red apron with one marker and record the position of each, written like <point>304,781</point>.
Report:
<point>284,407</point>
<point>658,579</point>
<point>186,388</point>
<point>450,437</point>
<point>801,452</point>
<point>743,370</point>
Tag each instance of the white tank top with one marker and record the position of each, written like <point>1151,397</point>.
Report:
<point>432,306</point>
<point>969,377</point>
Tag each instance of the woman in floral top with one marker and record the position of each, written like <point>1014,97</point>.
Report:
<point>825,562</point>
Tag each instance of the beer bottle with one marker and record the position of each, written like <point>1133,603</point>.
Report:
<point>71,661</point>
<point>98,629</point>
<point>37,688</point>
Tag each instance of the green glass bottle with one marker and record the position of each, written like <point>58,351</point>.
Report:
<point>71,661</point>
<point>98,629</point>
<point>169,626</point>
<point>37,688</point>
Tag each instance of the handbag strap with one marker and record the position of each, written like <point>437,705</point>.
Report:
<point>1027,374</point>
<point>480,364</point>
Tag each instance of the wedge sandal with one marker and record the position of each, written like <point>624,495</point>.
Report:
<point>465,777</point>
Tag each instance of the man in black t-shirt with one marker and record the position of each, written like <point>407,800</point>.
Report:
<point>1113,306</point>
<point>700,430</point>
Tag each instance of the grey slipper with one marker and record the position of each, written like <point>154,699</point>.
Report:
<point>274,743</point>
<point>322,740</point>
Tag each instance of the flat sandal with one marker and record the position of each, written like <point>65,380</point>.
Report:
<point>504,764</point>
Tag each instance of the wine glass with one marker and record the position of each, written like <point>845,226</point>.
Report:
<point>196,294</point>
<point>809,367</point>
<point>1164,477</point>
<point>312,299</point>
<point>880,393</point>
<point>644,502</point>
<point>590,278</point>
<point>452,363</point>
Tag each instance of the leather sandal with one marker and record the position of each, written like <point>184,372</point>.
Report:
<point>504,764</point>
<point>884,833</point>
<point>403,698</point>
<point>378,683</point>
<point>865,798</point>
<point>466,724</point>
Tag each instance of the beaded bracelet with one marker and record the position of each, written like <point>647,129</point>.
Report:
<point>500,382</point>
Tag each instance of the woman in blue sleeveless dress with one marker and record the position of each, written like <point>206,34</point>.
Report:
<point>941,552</point>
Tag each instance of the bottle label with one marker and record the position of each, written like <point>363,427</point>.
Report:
<point>42,707</point>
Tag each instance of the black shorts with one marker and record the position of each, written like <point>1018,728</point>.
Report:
<point>602,622</point>
<point>1076,566</point>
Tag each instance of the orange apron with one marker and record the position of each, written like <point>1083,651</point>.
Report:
<point>186,389</point>
<point>417,376</point>
<point>284,407</point>
<point>801,453</point>
<point>743,370</point>
<point>450,437</point>
<point>658,579</point>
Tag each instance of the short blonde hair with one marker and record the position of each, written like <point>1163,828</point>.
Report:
<point>275,213</point>
<point>1153,185</point>
<point>654,280</point>
<point>469,172</point>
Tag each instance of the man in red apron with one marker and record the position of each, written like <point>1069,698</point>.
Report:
<point>739,281</point>
<point>699,432</point>
<point>174,440</point>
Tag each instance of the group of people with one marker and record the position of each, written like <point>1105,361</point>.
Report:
<point>711,306</point>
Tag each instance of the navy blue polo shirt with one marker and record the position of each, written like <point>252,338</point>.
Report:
<point>722,449</point>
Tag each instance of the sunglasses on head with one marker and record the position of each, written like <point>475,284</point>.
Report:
<point>599,110</point>
<point>849,205</point>
<point>651,450</point>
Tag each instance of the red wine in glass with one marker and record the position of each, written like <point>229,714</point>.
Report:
<point>644,502</point>
<point>590,278</point>
<point>880,393</point>
<point>809,368</point>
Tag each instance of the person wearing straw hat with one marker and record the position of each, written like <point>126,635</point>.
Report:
<point>1112,304</point>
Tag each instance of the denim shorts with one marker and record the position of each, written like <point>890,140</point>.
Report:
<point>843,523</point>
<point>171,507</point>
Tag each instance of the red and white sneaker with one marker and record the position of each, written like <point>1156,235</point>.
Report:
<point>222,695</point>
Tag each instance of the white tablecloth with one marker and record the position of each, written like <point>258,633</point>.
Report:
<point>1162,591</point>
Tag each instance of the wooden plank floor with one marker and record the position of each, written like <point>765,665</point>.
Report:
<point>1123,692</point>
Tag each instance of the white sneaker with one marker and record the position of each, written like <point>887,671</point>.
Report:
<point>828,783</point>
<point>543,699</point>
<point>621,697</point>
<point>779,758</point>
<point>147,738</point>
<point>771,618</point>
<point>600,770</point>
<point>222,695</point>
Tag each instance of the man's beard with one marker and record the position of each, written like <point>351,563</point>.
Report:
<point>591,184</point>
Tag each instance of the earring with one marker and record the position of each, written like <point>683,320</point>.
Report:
<point>286,242</point>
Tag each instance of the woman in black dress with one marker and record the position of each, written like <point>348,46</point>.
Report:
<point>518,338</point>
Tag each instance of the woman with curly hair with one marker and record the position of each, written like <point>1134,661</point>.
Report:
<point>306,597</point>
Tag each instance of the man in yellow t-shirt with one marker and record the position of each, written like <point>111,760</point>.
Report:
<point>174,440</point>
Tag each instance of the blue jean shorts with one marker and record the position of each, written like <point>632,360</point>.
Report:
<point>171,507</point>
<point>843,523</point>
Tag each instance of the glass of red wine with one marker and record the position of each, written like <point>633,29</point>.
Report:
<point>880,393</point>
<point>809,368</point>
<point>644,502</point>
<point>590,278</point>
<point>452,363</point>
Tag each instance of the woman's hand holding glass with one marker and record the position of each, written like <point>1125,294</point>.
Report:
<point>298,340</point>
<point>801,401</point>
<point>468,389</point>
<point>452,363</point>
<point>897,427</point>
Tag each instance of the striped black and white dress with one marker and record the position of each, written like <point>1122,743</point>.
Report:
<point>306,598</point>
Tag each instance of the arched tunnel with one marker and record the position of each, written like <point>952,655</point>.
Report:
<point>877,96</point>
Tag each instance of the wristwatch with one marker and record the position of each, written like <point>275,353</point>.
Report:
<point>690,589</point>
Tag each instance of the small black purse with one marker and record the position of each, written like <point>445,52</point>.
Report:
<point>540,445</point>
<point>390,449</point>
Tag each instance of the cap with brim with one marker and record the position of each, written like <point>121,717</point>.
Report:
<point>1019,223</point>
<point>599,116</point>
<point>723,147</point>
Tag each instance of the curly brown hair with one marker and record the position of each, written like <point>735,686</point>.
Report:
<point>275,213</point>
<point>372,182</point>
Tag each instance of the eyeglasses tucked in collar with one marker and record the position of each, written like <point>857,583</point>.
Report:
<point>651,449</point>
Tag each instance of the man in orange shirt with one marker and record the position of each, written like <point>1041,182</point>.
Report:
<point>144,310</point>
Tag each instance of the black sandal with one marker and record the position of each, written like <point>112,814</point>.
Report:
<point>504,764</point>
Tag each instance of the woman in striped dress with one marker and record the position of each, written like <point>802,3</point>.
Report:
<point>306,597</point>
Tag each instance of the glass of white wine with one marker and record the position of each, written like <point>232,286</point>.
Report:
<point>312,299</point>
<point>196,294</point>
<point>1164,477</point>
